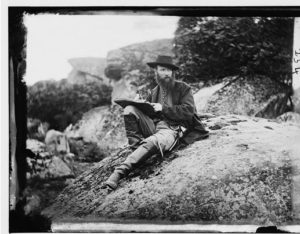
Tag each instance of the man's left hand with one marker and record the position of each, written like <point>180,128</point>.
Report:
<point>157,107</point>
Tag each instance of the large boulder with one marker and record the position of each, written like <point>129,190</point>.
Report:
<point>136,56</point>
<point>128,65</point>
<point>296,100</point>
<point>57,168</point>
<point>124,88</point>
<point>87,70</point>
<point>57,142</point>
<point>253,96</point>
<point>103,126</point>
<point>202,96</point>
<point>241,174</point>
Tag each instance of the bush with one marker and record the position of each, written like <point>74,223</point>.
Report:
<point>210,48</point>
<point>62,103</point>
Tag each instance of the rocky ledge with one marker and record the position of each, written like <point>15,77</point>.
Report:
<point>244,173</point>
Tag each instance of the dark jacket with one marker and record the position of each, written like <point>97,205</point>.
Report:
<point>183,112</point>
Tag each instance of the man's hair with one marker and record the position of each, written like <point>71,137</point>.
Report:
<point>164,67</point>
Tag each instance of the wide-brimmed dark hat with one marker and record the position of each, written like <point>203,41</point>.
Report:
<point>163,60</point>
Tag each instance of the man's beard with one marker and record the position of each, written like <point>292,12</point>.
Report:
<point>166,82</point>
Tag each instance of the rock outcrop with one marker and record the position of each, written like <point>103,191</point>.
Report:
<point>133,59</point>
<point>57,142</point>
<point>87,70</point>
<point>47,164</point>
<point>243,173</point>
<point>289,117</point>
<point>124,88</point>
<point>102,125</point>
<point>296,100</point>
<point>202,96</point>
<point>57,168</point>
<point>252,96</point>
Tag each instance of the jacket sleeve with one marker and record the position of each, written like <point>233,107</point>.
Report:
<point>184,110</point>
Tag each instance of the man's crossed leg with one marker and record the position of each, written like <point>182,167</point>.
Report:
<point>146,138</point>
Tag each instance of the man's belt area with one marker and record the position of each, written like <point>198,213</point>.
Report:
<point>174,125</point>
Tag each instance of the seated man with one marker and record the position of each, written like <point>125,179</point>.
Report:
<point>174,103</point>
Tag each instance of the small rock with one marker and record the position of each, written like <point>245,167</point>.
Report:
<point>244,146</point>
<point>56,142</point>
<point>69,181</point>
<point>215,127</point>
<point>268,127</point>
<point>35,146</point>
<point>44,155</point>
<point>28,175</point>
<point>58,168</point>
<point>39,161</point>
<point>33,204</point>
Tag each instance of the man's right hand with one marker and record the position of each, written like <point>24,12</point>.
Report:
<point>157,107</point>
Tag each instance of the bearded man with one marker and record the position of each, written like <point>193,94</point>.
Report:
<point>173,102</point>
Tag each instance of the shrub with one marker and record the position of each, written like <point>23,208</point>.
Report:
<point>62,103</point>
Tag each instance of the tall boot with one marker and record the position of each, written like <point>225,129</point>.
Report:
<point>133,131</point>
<point>142,153</point>
<point>116,176</point>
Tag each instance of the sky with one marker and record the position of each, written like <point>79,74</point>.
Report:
<point>53,39</point>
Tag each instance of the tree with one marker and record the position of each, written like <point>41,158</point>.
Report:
<point>210,48</point>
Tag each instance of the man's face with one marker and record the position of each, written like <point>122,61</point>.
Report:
<point>164,75</point>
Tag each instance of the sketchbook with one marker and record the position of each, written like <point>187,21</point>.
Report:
<point>143,106</point>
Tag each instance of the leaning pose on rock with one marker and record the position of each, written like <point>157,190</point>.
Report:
<point>174,104</point>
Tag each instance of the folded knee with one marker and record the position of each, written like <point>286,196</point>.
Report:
<point>130,110</point>
<point>149,144</point>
